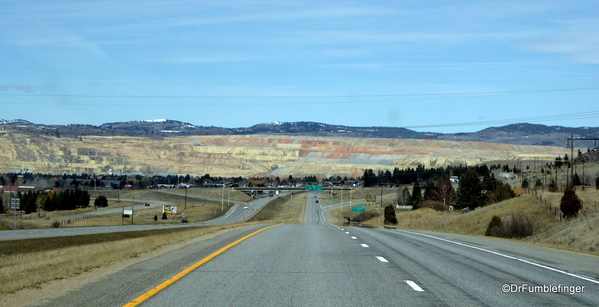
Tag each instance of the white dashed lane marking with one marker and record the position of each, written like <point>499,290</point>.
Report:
<point>381,259</point>
<point>414,286</point>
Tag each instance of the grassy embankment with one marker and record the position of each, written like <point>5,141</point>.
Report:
<point>30,263</point>
<point>578,234</point>
<point>195,209</point>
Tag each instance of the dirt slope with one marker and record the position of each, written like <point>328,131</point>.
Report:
<point>247,155</point>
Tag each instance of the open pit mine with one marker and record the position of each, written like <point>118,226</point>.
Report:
<point>247,156</point>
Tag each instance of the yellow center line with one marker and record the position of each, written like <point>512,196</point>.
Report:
<point>173,279</point>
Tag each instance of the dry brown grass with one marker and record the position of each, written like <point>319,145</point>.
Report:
<point>581,233</point>
<point>344,196</point>
<point>288,209</point>
<point>196,210</point>
<point>30,269</point>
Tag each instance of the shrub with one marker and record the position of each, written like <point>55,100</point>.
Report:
<point>436,205</point>
<point>495,228</point>
<point>55,224</point>
<point>101,201</point>
<point>570,203</point>
<point>518,226</point>
<point>365,216</point>
<point>390,217</point>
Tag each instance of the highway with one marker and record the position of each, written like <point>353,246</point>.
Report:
<point>316,264</point>
<point>236,214</point>
<point>315,212</point>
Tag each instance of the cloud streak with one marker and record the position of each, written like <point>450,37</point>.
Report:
<point>17,87</point>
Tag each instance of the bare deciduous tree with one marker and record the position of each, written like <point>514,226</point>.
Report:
<point>444,193</point>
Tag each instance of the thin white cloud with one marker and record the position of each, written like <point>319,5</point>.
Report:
<point>580,46</point>
<point>207,59</point>
<point>17,87</point>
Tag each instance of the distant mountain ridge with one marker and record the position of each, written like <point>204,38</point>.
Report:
<point>518,134</point>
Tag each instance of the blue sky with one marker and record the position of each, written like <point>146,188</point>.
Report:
<point>442,66</point>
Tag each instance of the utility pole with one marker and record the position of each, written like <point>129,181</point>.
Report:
<point>571,141</point>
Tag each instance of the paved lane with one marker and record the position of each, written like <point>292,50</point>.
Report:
<point>314,212</point>
<point>319,265</point>
<point>325,265</point>
<point>236,214</point>
<point>293,265</point>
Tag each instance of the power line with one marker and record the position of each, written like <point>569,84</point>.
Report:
<point>571,116</point>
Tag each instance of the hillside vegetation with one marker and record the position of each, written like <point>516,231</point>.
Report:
<point>580,233</point>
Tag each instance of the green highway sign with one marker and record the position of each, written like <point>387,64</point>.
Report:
<point>317,187</point>
<point>358,209</point>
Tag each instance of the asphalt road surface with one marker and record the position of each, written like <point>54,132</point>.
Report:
<point>238,213</point>
<point>315,264</point>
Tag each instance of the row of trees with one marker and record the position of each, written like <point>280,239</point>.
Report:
<point>471,192</point>
<point>50,201</point>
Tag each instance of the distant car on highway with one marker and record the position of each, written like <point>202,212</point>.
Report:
<point>245,207</point>
<point>148,204</point>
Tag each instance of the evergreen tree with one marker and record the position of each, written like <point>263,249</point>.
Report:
<point>396,176</point>
<point>470,191</point>
<point>539,183</point>
<point>101,201</point>
<point>416,198</point>
<point>502,192</point>
<point>49,201</point>
<point>390,217</point>
<point>576,181</point>
<point>30,204</point>
<point>525,184</point>
<point>370,178</point>
<point>570,203</point>
<point>558,162</point>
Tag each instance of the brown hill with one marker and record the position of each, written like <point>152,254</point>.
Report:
<point>255,155</point>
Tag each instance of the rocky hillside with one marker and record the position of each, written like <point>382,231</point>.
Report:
<point>518,134</point>
<point>244,155</point>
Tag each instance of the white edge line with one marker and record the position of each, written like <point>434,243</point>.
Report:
<point>414,286</point>
<point>231,212</point>
<point>506,256</point>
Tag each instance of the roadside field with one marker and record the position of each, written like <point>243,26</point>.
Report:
<point>288,209</point>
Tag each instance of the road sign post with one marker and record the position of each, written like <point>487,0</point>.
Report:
<point>15,204</point>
